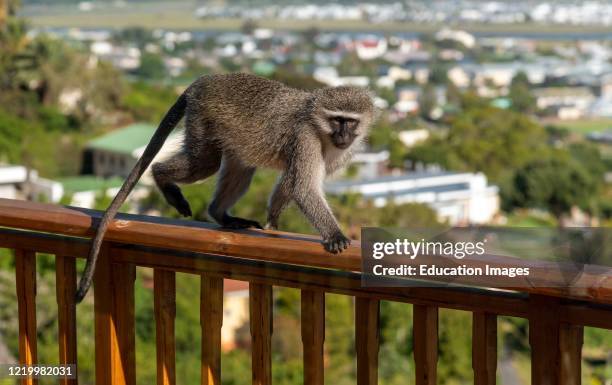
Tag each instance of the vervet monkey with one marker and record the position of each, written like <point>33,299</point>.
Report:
<point>238,122</point>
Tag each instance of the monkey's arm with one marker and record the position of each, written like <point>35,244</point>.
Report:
<point>305,176</point>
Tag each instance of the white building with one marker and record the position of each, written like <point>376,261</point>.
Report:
<point>412,137</point>
<point>15,183</point>
<point>371,164</point>
<point>371,48</point>
<point>565,102</point>
<point>465,38</point>
<point>125,58</point>
<point>459,198</point>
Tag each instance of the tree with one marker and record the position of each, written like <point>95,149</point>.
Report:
<point>438,73</point>
<point>385,136</point>
<point>427,101</point>
<point>3,12</point>
<point>248,27</point>
<point>453,93</point>
<point>484,139</point>
<point>134,35</point>
<point>151,67</point>
<point>520,95</point>
<point>555,183</point>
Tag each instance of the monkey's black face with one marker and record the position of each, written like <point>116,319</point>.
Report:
<point>343,131</point>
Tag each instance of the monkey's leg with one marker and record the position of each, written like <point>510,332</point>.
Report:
<point>234,180</point>
<point>182,168</point>
<point>278,201</point>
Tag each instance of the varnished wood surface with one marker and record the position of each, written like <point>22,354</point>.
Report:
<point>544,330</point>
<point>494,301</point>
<point>425,344</point>
<point>114,322</point>
<point>66,313</point>
<point>367,339</point>
<point>25,270</point>
<point>211,320</point>
<point>164,294</point>
<point>260,306</point>
<point>484,347</point>
<point>571,338</point>
<point>178,234</point>
<point>313,335</point>
<point>595,284</point>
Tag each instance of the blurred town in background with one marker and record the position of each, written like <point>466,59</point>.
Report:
<point>492,112</point>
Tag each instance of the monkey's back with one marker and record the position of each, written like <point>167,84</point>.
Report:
<point>244,115</point>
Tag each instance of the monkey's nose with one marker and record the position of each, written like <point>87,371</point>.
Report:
<point>343,144</point>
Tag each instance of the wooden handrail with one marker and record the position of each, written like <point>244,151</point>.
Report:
<point>595,283</point>
<point>556,316</point>
<point>178,234</point>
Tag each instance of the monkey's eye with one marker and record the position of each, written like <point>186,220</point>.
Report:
<point>336,123</point>
<point>352,124</point>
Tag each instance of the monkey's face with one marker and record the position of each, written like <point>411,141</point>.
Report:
<point>343,131</point>
<point>343,114</point>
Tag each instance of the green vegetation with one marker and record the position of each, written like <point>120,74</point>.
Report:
<point>556,183</point>
<point>485,139</point>
<point>520,96</point>
<point>584,126</point>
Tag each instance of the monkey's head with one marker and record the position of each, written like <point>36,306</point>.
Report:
<point>344,114</point>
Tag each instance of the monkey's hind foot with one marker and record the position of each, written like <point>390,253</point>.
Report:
<point>336,243</point>
<point>239,223</point>
<point>175,197</point>
<point>184,209</point>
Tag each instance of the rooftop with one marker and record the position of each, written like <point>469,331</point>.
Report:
<point>124,140</point>
<point>392,178</point>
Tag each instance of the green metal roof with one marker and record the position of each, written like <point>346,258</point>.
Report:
<point>89,183</point>
<point>503,103</point>
<point>264,68</point>
<point>124,140</point>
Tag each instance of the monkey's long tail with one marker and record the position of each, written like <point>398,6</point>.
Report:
<point>170,120</point>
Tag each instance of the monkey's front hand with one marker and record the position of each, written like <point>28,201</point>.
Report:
<point>336,243</point>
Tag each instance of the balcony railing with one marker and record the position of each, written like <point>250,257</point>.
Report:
<point>556,316</point>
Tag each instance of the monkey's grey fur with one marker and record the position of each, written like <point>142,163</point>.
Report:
<point>238,122</point>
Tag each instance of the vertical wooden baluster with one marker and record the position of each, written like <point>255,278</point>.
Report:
<point>484,348</point>
<point>114,319</point>
<point>313,335</point>
<point>25,276</point>
<point>103,311</point>
<point>425,337</point>
<point>65,285</point>
<point>260,303</point>
<point>124,276</point>
<point>544,330</point>
<point>367,340</point>
<point>556,348</point>
<point>211,320</point>
<point>570,354</point>
<point>164,290</point>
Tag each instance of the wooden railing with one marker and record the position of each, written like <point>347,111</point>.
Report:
<point>266,259</point>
